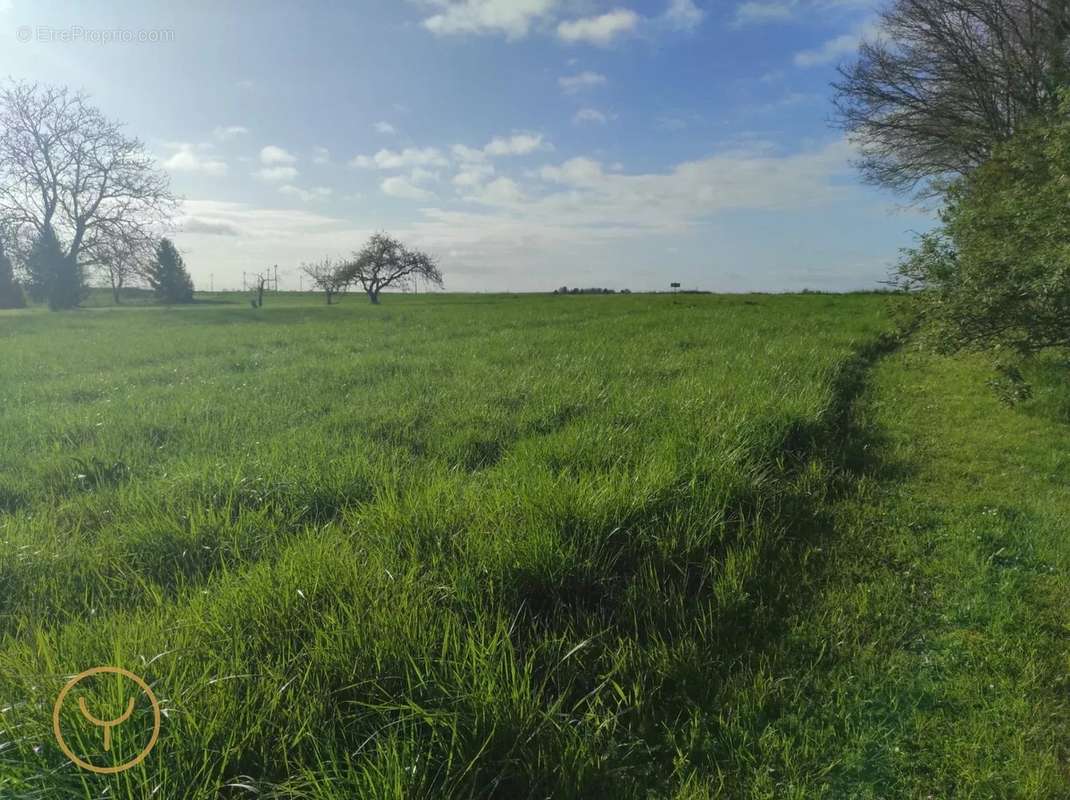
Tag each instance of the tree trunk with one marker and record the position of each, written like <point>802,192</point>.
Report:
<point>373,295</point>
<point>329,293</point>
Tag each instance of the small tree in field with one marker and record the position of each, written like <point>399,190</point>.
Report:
<point>385,262</point>
<point>10,291</point>
<point>997,275</point>
<point>167,275</point>
<point>327,276</point>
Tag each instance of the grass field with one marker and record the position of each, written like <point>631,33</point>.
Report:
<point>499,546</point>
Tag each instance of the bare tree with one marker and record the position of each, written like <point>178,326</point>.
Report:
<point>259,281</point>
<point>386,262</point>
<point>943,81</point>
<point>328,276</point>
<point>124,262</point>
<point>65,166</point>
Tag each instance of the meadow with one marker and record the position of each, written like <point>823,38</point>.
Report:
<point>501,546</point>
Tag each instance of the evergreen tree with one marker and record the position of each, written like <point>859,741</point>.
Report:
<point>168,276</point>
<point>10,291</point>
<point>54,276</point>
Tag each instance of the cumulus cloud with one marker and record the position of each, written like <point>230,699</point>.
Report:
<point>385,128</point>
<point>758,12</point>
<point>499,192</point>
<point>683,15</point>
<point>321,155</point>
<point>473,174</point>
<point>512,18</point>
<point>466,154</point>
<point>225,133</point>
<point>574,172</point>
<point>831,51</point>
<point>306,195</point>
<point>582,192</point>
<point>403,187</point>
<point>272,155</point>
<point>590,115</point>
<point>519,144</point>
<point>409,157</point>
<point>572,84</point>
<point>601,30</point>
<point>194,158</point>
<point>280,173</point>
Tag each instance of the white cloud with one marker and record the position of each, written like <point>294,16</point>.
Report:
<point>684,15</point>
<point>519,144</point>
<point>763,12</point>
<point>600,30</point>
<point>473,174</point>
<point>275,155</point>
<point>571,84</point>
<point>758,12</point>
<point>835,49</point>
<point>409,157</point>
<point>204,227</point>
<point>403,187</point>
<point>466,154</point>
<point>306,195</point>
<point>590,115</point>
<point>385,128</point>
<point>193,158</point>
<point>513,18</point>
<point>229,132</point>
<point>280,173</point>
<point>321,155</point>
<point>420,175</point>
<point>756,179</point>
<point>499,192</point>
<point>574,172</point>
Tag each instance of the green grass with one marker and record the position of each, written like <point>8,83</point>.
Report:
<point>500,546</point>
<point>932,661</point>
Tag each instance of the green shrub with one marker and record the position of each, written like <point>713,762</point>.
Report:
<point>996,275</point>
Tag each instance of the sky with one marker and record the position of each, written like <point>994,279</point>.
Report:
<point>527,144</point>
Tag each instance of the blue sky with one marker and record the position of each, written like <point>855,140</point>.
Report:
<point>526,143</point>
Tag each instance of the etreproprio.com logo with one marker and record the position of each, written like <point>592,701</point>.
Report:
<point>77,34</point>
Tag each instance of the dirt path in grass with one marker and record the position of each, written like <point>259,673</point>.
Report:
<point>932,660</point>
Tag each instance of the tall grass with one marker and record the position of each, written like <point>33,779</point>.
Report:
<point>450,546</point>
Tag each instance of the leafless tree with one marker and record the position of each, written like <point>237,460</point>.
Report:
<point>943,81</point>
<point>123,261</point>
<point>64,165</point>
<point>328,276</point>
<point>259,281</point>
<point>385,262</point>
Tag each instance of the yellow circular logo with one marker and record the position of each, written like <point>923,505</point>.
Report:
<point>107,725</point>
